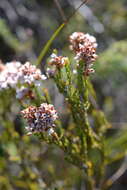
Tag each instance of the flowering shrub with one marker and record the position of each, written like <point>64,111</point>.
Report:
<point>86,144</point>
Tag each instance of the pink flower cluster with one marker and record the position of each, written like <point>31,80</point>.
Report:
<point>84,46</point>
<point>58,61</point>
<point>40,119</point>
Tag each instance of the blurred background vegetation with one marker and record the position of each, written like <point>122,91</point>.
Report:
<point>25,26</point>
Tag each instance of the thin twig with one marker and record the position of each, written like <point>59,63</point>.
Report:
<point>85,1</point>
<point>117,175</point>
<point>60,10</point>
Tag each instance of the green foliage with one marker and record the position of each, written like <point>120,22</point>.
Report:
<point>113,60</point>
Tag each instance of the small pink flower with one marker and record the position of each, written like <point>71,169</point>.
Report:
<point>58,61</point>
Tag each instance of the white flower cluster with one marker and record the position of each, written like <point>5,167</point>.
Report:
<point>9,76</point>
<point>40,119</point>
<point>79,38</point>
<point>15,75</point>
<point>29,74</point>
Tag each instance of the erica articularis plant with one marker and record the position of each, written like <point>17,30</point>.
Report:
<point>71,77</point>
<point>85,145</point>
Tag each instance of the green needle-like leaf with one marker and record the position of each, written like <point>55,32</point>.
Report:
<point>48,44</point>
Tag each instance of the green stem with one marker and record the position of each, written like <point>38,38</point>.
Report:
<point>79,107</point>
<point>83,94</point>
<point>39,98</point>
